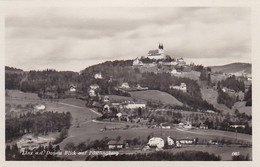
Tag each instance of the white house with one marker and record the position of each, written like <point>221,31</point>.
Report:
<point>137,62</point>
<point>182,87</point>
<point>125,85</point>
<point>156,142</point>
<point>98,76</point>
<point>156,54</point>
<point>73,88</point>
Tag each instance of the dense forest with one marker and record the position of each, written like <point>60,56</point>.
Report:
<point>36,123</point>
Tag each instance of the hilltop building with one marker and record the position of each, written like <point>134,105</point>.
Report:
<point>157,54</point>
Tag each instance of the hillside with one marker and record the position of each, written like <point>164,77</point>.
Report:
<point>211,96</point>
<point>155,96</point>
<point>233,68</point>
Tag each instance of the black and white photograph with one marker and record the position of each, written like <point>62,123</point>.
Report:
<point>146,83</point>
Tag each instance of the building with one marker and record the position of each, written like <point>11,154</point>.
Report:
<point>113,144</point>
<point>156,142</point>
<point>157,54</point>
<point>98,76</point>
<point>125,85</point>
<point>134,106</point>
<point>137,62</point>
<point>106,99</point>
<point>72,88</point>
<point>182,87</point>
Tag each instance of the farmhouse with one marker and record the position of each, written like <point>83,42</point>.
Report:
<point>156,54</point>
<point>182,87</point>
<point>113,144</point>
<point>156,142</point>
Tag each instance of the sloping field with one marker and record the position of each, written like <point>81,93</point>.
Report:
<point>155,96</point>
<point>211,97</point>
<point>21,95</point>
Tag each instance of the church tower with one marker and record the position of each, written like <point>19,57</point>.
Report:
<point>160,48</point>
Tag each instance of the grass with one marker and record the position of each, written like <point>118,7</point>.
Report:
<point>155,96</point>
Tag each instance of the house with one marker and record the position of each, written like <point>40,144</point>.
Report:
<point>137,62</point>
<point>94,86</point>
<point>170,141</point>
<point>125,85</point>
<point>156,54</point>
<point>188,125</point>
<point>182,87</point>
<point>106,108</point>
<point>134,106</point>
<point>92,93</point>
<point>186,141</point>
<point>156,142</point>
<point>113,144</point>
<point>106,99</point>
<point>98,76</point>
<point>72,88</point>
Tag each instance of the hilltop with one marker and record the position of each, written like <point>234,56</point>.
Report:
<point>233,68</point>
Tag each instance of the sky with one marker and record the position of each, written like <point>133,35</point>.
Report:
<point>67,38</point>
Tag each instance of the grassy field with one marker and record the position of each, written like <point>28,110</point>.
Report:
<point>155,96</point>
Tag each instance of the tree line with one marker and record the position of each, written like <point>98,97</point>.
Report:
<point>36,123</point>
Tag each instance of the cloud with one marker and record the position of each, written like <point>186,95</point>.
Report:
<point>73,38</point>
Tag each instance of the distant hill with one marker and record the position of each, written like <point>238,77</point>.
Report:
<point>233,68</point>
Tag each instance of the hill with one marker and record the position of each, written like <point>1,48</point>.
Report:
<point>233,68</point>
<point>155,96</point>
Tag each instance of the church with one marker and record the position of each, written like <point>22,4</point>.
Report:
<point>156,54</point>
